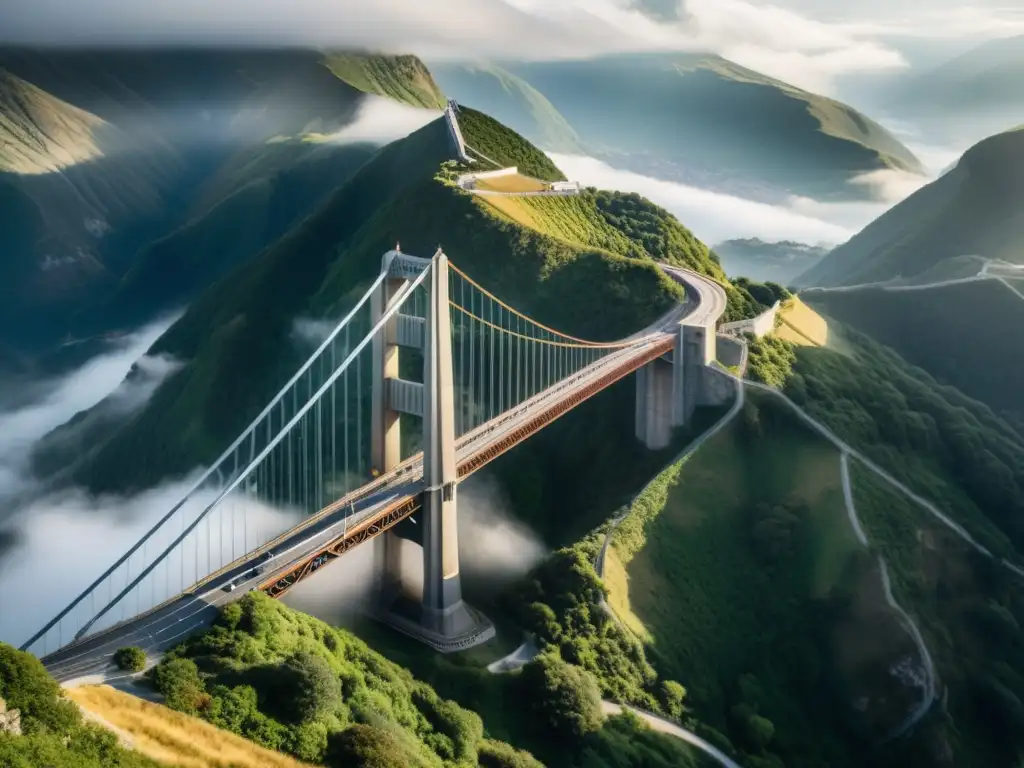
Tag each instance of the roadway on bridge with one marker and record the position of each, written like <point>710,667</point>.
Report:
<point>165,626</point>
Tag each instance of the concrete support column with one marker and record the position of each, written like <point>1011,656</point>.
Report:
<point>667,393</point>
<point>443,610</point>
<point>654,404</point>
<point>385,424</point>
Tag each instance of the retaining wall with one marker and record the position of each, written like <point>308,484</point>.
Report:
<point>760,326</point>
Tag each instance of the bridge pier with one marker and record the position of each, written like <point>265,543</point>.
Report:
<point>437,615</point>
<point>668,390</point>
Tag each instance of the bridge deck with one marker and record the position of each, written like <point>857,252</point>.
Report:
<point>382,503</point>
<point>480,448</point>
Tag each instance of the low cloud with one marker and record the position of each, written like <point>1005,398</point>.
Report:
<point>381,120</point>
<point>493,544</point>
<point>48,404</point>
<point>494,550</point>
<point>890,185</point>
<point>65,540</point>
<point>312,332</point>
<point>714,216</point>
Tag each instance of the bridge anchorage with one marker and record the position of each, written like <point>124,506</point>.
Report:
<point>427,379</point>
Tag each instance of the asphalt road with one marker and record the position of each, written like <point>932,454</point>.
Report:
<point>164,627</point>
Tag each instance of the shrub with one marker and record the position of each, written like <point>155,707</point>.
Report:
<point>178,680</point>
<point>565,697</point>
<point>311,688</point>
<point>130,658</point>
<point>26,686</point>
<point>498,754</point>
<point>369,746</point>
<point>671,695</point>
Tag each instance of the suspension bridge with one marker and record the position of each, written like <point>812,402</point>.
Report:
<point>427,379</point>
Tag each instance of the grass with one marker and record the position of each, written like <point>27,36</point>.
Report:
<point>616,579</point>
<point>733,561</point>
<point>511,183</point>
<point>504,146</point>
<point>402,78</point>
<point>172,737</point>
<point>801,325</point>
<point>39,133</point>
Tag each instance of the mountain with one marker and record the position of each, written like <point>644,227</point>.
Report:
<point>106,152</point>
<point>963,334</point>
<point>532,251</point>
<point>694,117</point>
<point>974,210</point>
<point>980,87</point>
<point>779,262</point>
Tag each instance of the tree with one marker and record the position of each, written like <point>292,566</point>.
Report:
<point>178,680</point>
<point>26,686</point>
<point>130,658</point>
<point>498,754</point>
<point>311,687</point>
<point>368,746</point>
<point>565,697</point>
<point>672,695</point>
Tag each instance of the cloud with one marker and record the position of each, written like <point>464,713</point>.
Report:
<point>714,216</point>
<point>805,42</point>
<point>433,28</point>
<point>312,332</point>
<point>381,121</point>
<point>49,404</point>
<point>494,550</point>
<point>65,540</point>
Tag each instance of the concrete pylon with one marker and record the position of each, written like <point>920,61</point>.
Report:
<point>440,617</point>
<point>385,424</point>
<point>443,609</point>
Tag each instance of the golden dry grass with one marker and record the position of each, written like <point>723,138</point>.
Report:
<point>512,183</point>
<point>801,325</point>
<point>617,581</point>
<point>514,209</point>
<point>171,737</point>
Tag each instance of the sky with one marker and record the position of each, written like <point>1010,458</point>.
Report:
<point>810,43</point>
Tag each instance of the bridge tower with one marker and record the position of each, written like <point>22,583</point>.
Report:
<point>434,611</point>
<point>669,388</point>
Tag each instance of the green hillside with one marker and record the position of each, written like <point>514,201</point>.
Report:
<point>961,334</point>
<point>54,733</point>
<point>401,195</point>
<point>958,451</point>
<point>975,209</point>
<point>174,268</point>
<point>739,571</point>
<point>402,78</point>
<point>742,572</point>
<point>698,113</point>
<point>292,683</point>
<point>147,142</point>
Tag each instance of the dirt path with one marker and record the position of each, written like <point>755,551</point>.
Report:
<point>905,620</point>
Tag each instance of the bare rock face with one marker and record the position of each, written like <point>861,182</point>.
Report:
<point>10,719</point>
